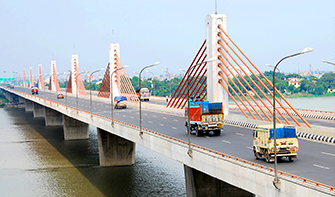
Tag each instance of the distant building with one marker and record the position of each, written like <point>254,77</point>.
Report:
<point>294,81</point>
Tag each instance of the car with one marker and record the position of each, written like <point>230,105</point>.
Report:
<point>60,96</point>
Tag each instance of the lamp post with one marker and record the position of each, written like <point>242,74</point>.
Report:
<point>112,103</point>
<point>153,82</point>
<point>101,69</point>
<point>276,181</point>
<point>279,78</point>
<point>189,152</point>
<point>169,79</point>
<point>324,61</point>
<point>139,76</point>
<point>77,85</point>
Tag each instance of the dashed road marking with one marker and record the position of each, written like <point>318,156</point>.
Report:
<point>226,141</point>
<point>329,154</point>
<point>249,148</point>
<point>161,125</point>
<point>175,120</point>
<point>318,166</point>
<point>154,116</point>
<point>240,134</point>
<point>164,118</point>
<point>174,128</point>
<point>150,122</point>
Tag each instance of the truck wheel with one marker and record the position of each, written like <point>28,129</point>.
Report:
<point>217,132</point>
<point>291,158</point>
<point>198,132</point>
<point>267,157</point>
<point>256,154</point>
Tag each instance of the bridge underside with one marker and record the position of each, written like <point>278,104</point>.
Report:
<point>201,184</point>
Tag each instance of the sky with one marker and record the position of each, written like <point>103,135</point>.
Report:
<point>170,32</point>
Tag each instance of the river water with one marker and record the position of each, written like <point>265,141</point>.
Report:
<point>36,161</point>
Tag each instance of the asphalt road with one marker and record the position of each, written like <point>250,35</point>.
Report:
<point>316,160</point>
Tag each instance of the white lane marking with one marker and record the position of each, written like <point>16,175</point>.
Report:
<point>240,134</point>
<point>175,120</point>
<point>145,114</point>
<point>154,116</point>
<point>123,115</point>
<point>150,122</point>
<point>131,117</point>
<point>207,137</point>
<point>318,166</point>
<point>226,141</point>
<point>117,114</point>
<point>161,125</point>
<point>325,153</point>
<point>174,128</point>
<point>164,118</point>
<point>249,148</point>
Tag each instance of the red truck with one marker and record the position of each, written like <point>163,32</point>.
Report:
<point>205,117</point>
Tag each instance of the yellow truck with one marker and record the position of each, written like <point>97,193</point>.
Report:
<point>286,140</point>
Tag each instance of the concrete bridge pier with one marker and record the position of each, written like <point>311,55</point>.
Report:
<point>53,117</point>
<point>201,184</point>
<point>74,129</point>
<point>114,150</point>
<point>9,96</point>
<point>38,111</point>
<point>28,106</point>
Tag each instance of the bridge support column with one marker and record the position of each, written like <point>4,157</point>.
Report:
<point>21,99</point>
<point>114,150</point>
<point>9,97</point>
<point>28,105</point>
<point>53,118</point>
<point>74,129</point>
<point>201,184</point>
<point>39,110</point>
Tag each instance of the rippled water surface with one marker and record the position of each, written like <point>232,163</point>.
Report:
<point>36,161</point>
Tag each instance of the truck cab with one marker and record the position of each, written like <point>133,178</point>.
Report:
<point>286,142</point>
<point>205,117</point>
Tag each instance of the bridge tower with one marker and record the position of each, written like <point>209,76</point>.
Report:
<point>54,84</point>
<point>114,52</point>
<point>40,78</point>
<point>24,78</point>
<point>215,92</point>
<point>75,82</point>
<point>31,80</point>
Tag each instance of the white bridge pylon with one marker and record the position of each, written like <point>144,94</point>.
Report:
<point>114,51</point>
<point>54,84</point>
<point>75,84</point>
<point>215,92</point>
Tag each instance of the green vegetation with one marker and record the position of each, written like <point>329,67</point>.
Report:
<point>309,86</point>
<point>3,99</point>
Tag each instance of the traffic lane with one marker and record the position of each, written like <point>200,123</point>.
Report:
<point>309,120</point>
<point>237,141</point>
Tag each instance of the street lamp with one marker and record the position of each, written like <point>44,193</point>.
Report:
<point>112,103</point>
<point>101,69</point>
<point>169,78</point>
<point>276,181</point>
<point>139,76</point>
<point>279,78</point>
<point>77,85</point>
<point>324,61</point>
<point>189,152</point>
<point>153,82</point>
